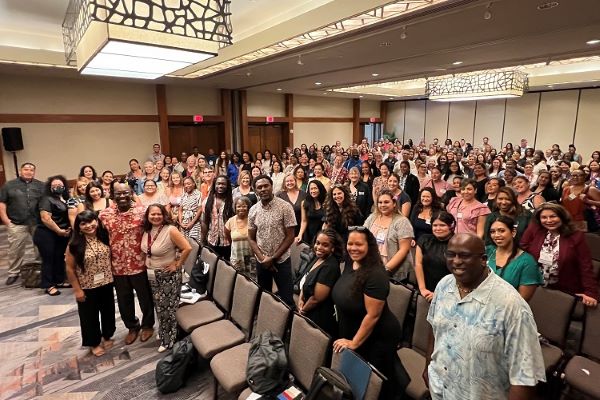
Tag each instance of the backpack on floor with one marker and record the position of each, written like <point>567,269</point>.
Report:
<point>328,384</point>
<point>31,275</point>
<point>173,369</point>
<point>266,372</point>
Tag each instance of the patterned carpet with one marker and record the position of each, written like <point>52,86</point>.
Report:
<point>41,356</point>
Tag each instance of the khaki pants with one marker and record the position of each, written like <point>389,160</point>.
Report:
<point>20,248</point>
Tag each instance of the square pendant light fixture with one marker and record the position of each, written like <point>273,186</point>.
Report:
<point>479,85</point>
<point>143,39</point>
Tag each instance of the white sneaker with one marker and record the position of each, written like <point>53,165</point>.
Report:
<point>162,349</point>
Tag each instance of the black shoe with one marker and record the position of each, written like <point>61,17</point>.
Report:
<point>12,279</point>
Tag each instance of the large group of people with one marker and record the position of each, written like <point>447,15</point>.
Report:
<point>415,213</point>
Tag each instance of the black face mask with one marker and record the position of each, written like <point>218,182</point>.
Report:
<point>58,191</point>
<point>355,157</point>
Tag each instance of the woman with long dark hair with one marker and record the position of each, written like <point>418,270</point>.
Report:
<point>420,217</point>
<point>430,255</point>
<point>340,211</point>
<point>510,262</point>
<point>315,301</point>
<point>233,168</point>
<point>87,171</point>
<point>312,212</point>
<point>360,192</point>
<point>366,324</point>
<point>562,253</point>
<point>247,161</point>
<point>52,234</point>
<point>217,211</point>
<point>544,187</point>
<point>161,243</point>
<point>94,200</point>
<point>89,272</point>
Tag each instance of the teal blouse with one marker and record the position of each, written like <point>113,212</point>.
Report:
<point>523,270</point>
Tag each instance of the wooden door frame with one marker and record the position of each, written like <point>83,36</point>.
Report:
<point>285,137</point>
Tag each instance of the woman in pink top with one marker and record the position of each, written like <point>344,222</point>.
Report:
<point>470,214</point>
<point>436,182</point>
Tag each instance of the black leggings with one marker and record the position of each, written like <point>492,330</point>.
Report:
<point>52,250</point>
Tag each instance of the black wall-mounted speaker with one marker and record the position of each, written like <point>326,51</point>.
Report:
<point>12,139</point>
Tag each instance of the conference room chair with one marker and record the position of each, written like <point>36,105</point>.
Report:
<point>376,378</point>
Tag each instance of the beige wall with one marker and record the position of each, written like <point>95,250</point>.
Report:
<point>192,100</point>
<point>37,95</point>
<point>370,108</point>
<point>567,116</point>
<point>314,106</point>
<point>322,133</point>
<point>265,104</point>
<point>64,148</point>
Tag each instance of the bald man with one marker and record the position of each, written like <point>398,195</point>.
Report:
<point>484,343</point>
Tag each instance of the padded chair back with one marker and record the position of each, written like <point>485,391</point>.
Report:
<point>552,311</point>
<point>593,242</point>
<point>191,260</point>
<point>420,338</point>
<point>375,380</point>
<point>272,315</point>
<point>308,349</point>
<point>590,344</point>
<point>295,251</point>
<point>399,300</point>
<point>207,256</point>
<point>245,295</point>
<point>223,286</point>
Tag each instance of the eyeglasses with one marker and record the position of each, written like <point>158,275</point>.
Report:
<point>450,255</point>
<point>359,228</point>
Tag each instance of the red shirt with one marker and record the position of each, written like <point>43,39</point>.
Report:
<point>125,235</point>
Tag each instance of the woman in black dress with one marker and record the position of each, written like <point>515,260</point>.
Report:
<point>366,324</point>
<point>430,258</point>
<point>360,192</point>
<point>312,212</point>
<point>420,216</point>
<point>315,300</point>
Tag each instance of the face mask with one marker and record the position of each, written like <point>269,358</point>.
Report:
<point>58,191</point>
<point>355,157</point>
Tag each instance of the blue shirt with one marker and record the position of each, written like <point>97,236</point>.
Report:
<point>484,343</point>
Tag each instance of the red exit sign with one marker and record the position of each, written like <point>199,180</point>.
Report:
<point>198,118</point>
<point>270,118</point>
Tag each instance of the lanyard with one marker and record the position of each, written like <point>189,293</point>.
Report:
<point>151,241</point>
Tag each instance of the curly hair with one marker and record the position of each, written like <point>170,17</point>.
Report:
<point>436,203</point>
<point>48,186</point>
<point>336,242</point>
<point>370,262</point>
<point>345,213</point>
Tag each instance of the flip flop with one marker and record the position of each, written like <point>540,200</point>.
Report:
<point>99,352</point>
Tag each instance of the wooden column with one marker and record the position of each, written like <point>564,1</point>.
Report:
<point>244,119</point>
<point>163,118</point>
<point>355,120</point>
<point>227,117</point>
<point>383,108</point>
<point>289,113</point>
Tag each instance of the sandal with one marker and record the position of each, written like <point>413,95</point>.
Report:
<point>98,351</point>
<point>107,344</point>
<point>52,291</point>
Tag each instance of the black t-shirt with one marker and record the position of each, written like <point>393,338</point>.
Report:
<point>351,308</point>
<point>434,259</point>
<point>326,274</point>
<point>58,210</point>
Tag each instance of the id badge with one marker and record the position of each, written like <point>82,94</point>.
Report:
<point>459,215</point>
<point>572,196</point>
<point>545,258</point>
<point>98,278</point>
<point>151,275</point>
<point>380,237</point>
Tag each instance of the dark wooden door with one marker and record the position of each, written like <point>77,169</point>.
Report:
<point>262,137</point>
<point>185,137</point>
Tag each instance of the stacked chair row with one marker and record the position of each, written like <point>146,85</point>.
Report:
<point>237,310</point>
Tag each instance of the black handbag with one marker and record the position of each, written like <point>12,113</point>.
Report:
<point>31,275</point>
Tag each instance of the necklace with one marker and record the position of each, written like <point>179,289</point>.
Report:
<point>466,291</point>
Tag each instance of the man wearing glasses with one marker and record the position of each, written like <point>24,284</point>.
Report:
<point>484,343</point>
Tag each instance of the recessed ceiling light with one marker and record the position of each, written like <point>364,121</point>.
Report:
<point>457,62</point>
<point>593,42</point>
<point>279,89</point>
<point>547,6</point>
<point>375,74</point>
<point>385,44</point>
<point>361,96</point>
<point>318,83</point>
<point>392,98</point>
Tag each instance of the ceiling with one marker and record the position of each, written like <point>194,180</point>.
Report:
<point>517,33</point>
